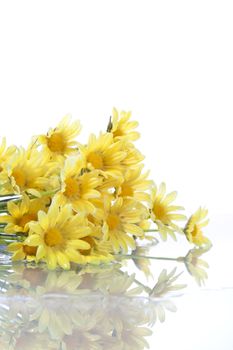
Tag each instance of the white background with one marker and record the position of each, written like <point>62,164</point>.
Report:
<point>169,62</point>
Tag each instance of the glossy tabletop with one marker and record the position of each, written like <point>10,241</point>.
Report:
<point>184,301</point>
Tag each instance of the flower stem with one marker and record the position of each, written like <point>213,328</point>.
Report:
<point>48,193</point>
<point>151,230</point>
<point>146,289</point>
<point>128,256</point>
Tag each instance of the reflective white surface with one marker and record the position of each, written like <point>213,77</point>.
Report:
<point>118,307</point>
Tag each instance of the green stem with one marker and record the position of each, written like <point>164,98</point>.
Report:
<point>43,194</point>
<point>127,256</point>
<point>48,193</point>
<point>147,289</point>
<point>151,230</point>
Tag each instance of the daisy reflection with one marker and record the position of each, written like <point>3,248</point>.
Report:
<point>92,308</point>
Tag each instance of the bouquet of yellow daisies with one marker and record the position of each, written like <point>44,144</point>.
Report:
<point>65,202</point>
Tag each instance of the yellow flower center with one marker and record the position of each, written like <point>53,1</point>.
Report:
<point>126,190</point>
<point>29,250</point>
<point>195,231</point>
<point>160,212</point>
<point>25,219</point>
<point>113,221</point>
<point>96,160</point>
<point>118,132</point>
<point>53,237</point>
<point>56,143</point>
<point>91,218</point>
<point>91,242</point>
<point>72,187</point>
<point>19,177</point>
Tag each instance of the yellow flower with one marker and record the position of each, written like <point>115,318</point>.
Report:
<point>28,171</point>
<point>133,155</point>
<point>122,222</point>
<point>5,153</point>
<point>78,187</point>
<point>22,251</point>
<point>59,236</point>
<point>22,213</point>
<point>104,155</point>
<point>135,184</point>
<point>163,213</point>
<point>193,228</point>
<point>60,140</point>
<point>122,127</point>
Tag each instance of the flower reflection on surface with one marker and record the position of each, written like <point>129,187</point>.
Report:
<point>93,308</point>
<point>196,266</point>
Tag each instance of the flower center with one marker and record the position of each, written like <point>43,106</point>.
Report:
<point>126,190</point>
<point>53,237</point>
<point>26,218</point>
<point>91,242</point>
<point>91,218</point>
<point>160,212</point>
<point>113,221</point>
<point>19,177</point>
<point>195,231</point>
<point>118,132</point>
<point>56,143</point>
<point>72,187</point>
<point>96,160</point>
<point>29,250</point>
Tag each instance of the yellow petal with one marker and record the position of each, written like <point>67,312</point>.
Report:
<point>51,260</point>
<point>14,246</point>
<point>40,252</point>
<point>63,261</point>
<point>19,255</point>
<point>13,209</point>
<point>79,244</point>
<point>33,240</point>
<point>43,220</point>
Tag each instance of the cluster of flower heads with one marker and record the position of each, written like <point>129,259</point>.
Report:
<point>85,203</point>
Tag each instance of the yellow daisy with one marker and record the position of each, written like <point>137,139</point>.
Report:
<point>22,251</point>
<point>133,155</point>
<point>58,236</point>
<point>120,126</point>
<point>77,186</point>
<point>5,153</point>
<point>27,171</point>
<point>103,154</point>
<point>163,213</point>
<point>135,185</point>
<point>108,188</point>
<point>122,222</point>
<point>193,228</point>
<point>99,251</point>
<point>22,213</point>
<point>60,141</point>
